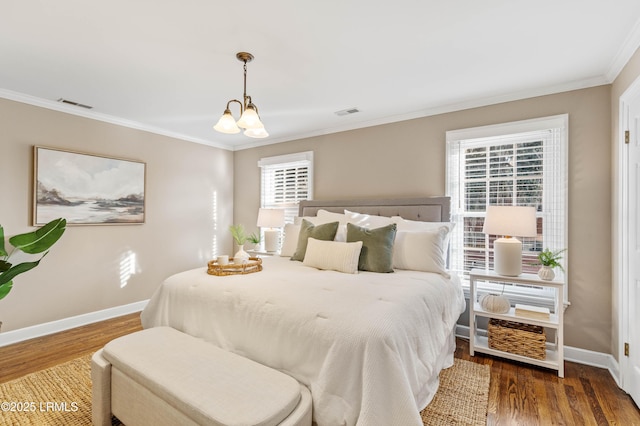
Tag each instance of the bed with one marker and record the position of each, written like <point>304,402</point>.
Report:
<point>368,345</point>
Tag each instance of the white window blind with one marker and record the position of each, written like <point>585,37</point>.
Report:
<point>285,180</point>
<point>520,164</point>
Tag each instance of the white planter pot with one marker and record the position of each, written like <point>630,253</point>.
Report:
<point>546,273</point>
<point>241,256</point>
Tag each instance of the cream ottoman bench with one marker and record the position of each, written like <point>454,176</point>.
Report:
<point>160,376</point>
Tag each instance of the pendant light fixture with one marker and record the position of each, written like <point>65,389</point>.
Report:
<point>249,119</point>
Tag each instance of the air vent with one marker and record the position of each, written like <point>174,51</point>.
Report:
<point>347,111</point>
<point>68,102</point>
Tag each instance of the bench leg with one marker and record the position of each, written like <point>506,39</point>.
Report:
<point>101,390</point>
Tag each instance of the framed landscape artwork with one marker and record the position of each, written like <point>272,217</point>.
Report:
<point>87,189</point>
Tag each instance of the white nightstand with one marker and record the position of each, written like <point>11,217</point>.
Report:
<point>480,343</point>
<point>262,253</point>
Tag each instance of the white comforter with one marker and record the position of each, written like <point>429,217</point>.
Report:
<point>369,346</point>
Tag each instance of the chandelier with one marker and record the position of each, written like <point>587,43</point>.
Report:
<point>249,119</point>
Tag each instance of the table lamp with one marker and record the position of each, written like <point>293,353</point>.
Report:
<point>509,221</point>
<point>271,218</point>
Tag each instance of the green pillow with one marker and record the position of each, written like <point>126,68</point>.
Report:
<point>324,232</point>
<point>377,246</point>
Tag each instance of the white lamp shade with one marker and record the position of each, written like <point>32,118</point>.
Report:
<point>256,133</point>
<point>270,218</point>
<point>512,221</point>
<point>509,221</point>
<point>250,119</point>
<point>227,124</point>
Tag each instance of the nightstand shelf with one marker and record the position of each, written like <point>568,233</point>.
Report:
<point>262,253</point>
<point>480,343</point>
<point>511,316</point>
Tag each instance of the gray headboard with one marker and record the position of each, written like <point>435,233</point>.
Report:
<point>427,209</point>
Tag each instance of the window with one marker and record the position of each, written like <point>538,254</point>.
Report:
<point>522,164</point>
<point>285,180</point>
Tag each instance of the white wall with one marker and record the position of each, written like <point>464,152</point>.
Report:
<point>82,273</point>
<point>407,159</point>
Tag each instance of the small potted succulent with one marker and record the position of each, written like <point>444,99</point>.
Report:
<point>549,260</point>
<point>254,239</point>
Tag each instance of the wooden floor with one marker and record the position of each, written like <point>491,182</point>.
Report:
<point>519,394</point>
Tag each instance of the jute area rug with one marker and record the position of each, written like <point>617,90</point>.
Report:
<point>61,395</point>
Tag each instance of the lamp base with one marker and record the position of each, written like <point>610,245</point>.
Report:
<point>507,257</point>
<point>271,240</point>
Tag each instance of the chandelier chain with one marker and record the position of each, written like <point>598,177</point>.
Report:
<point>249,118</point>
<point>244,99</point>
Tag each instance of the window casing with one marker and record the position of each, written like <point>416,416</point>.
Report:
<point>522,163</point>
<point>285,181</point>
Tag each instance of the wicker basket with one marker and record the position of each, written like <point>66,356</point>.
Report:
<point>254,264</point>
<point>517,338</point>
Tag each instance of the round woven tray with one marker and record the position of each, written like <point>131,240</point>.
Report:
<point>254,264</point>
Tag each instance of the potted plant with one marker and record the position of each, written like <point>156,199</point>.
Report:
<point>36,242</point>
<point>240,236</point>
<point>549,260</point>
<point>254,239</point>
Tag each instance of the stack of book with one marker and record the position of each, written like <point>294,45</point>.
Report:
<point>534,312</point>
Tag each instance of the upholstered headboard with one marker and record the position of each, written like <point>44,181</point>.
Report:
<point>427,209</point>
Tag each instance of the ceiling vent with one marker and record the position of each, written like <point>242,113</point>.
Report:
<point>68,102</point>
<point>347,111</point>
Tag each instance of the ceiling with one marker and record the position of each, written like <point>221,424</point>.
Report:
<point>169,66</point>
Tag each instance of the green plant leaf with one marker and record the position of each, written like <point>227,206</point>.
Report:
<point>4,265</point>
<point>254,238</point>
<point>238,234</point>
<point>3,252</point>
<point>11,273</point>
<point>40,240</point>
<point>5,289</point>
<point>551,258</point>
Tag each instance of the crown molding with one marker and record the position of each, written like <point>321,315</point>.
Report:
<point>69,109</point>
<point>460,106</point>
<point>625,53</point>
<point>469,104</point>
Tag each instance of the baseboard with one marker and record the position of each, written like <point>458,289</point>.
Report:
<point>580,356</point>
<point>39,330</point>
<point>595,359</point>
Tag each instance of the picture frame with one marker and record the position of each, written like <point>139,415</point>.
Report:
<point>87,189</point>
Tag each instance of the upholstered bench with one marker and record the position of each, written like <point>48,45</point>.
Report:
<point>160,376</point>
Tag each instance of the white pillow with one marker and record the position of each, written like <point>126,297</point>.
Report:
<point>415,225</point>
<point>422,251</point>
<point>332,255</point>
<point>327,216</point>
<point>368,221</point>
<point>290,239</point>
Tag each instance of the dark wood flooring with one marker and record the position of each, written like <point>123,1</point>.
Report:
<point>519,394</point>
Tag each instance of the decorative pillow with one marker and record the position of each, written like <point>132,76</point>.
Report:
<point>328,217</point>
<point>377,246</point>
<point>414,225</point>
<point>332,255</point>
<point>324,232</point>
<point>422,251</point>
<point>290,239</point>
<point>368,221</point>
